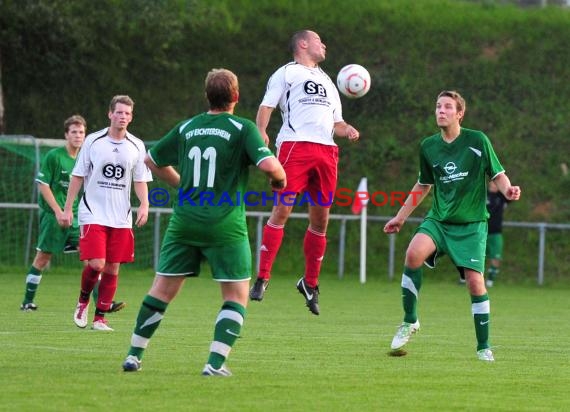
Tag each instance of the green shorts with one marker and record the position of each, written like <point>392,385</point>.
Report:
<point>494,248</point>
<point>52,237</point>
<point>464,243</point>
<point>229,263</point>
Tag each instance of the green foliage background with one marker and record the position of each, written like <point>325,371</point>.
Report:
<point>511,64</point>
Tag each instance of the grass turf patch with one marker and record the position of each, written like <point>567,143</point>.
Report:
<point>287,359</point>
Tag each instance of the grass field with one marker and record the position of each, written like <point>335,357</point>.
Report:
<point>288,359</point>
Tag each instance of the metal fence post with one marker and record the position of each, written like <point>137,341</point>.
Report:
<point>34,199</point>
<point>341,248</point>
<point>391,253</point>
<point>541,244</point>
<point>258,239</point>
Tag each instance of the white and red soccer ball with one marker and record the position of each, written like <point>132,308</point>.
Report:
<point>353,81</point>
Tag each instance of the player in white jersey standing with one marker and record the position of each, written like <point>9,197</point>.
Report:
<point>312,114</point>
<point>108,163</point>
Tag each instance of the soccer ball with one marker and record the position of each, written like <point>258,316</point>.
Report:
<point>353,81</point>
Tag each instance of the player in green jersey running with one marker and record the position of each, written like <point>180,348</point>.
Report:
<point>53,181</point>
<point>212,152</point>
<point>457,162</point>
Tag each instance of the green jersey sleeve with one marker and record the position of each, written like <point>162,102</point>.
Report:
<point>48,167</point>
<point>166,151</point>
<point>494,166</point>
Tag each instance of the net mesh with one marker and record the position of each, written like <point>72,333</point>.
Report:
<point>20,158</point>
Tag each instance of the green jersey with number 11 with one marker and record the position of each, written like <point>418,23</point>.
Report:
<point>212,153</point>
<point>459,172</point>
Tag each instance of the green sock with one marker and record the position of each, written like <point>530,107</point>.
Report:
<point>411,284</point>
<point>149,317</point>
<point>228,327</point>
<point>32,282</point>
<point>492,273</point>
<point>481,308</point>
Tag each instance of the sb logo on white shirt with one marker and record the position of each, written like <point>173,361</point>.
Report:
<point>111,171</point>
<point>313,88</point>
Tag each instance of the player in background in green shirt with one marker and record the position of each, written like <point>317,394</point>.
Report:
<point>53,181</point>
<point>457,162</point>
<point>212,153</point>
<point>496,204</point>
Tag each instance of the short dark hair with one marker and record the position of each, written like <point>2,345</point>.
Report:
<point>222,88</point>
<point>121,98</point>
<point>296,37</point>
<point>75,119</point>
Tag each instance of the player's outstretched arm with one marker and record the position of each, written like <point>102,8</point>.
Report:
<point>167,174</point>
<point>417,194</point>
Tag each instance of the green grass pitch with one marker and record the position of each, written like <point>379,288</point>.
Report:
<point>287,358</point>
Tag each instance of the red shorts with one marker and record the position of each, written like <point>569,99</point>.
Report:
<point>115,245</point>
<point>312,168</point>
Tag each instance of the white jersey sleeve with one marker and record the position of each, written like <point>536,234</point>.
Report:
<point>141,173</point>
<point>109,167</point>
<point>309,103</point>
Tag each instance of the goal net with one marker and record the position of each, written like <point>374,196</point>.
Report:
<point>20,159</point>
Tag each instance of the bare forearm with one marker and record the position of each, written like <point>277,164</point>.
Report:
<point>262,121</point>
<point>74,185</point>
<point>48,196</point>
<point>263,117</point>
<point>141,190</point>
<point>416,196</point>
<point>344,129</point>
<point>506,188</point>
<point>167,174</point>
<point>503,182</point>
<point>274,171</point>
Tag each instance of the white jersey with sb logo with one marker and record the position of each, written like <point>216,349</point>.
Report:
<point>309,103</point>
<point>109,167</point>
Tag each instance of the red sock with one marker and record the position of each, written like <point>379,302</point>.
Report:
<point>107,289</point>
<point>89,278</point>
<point>270,244</point>
<point>314,246</point>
